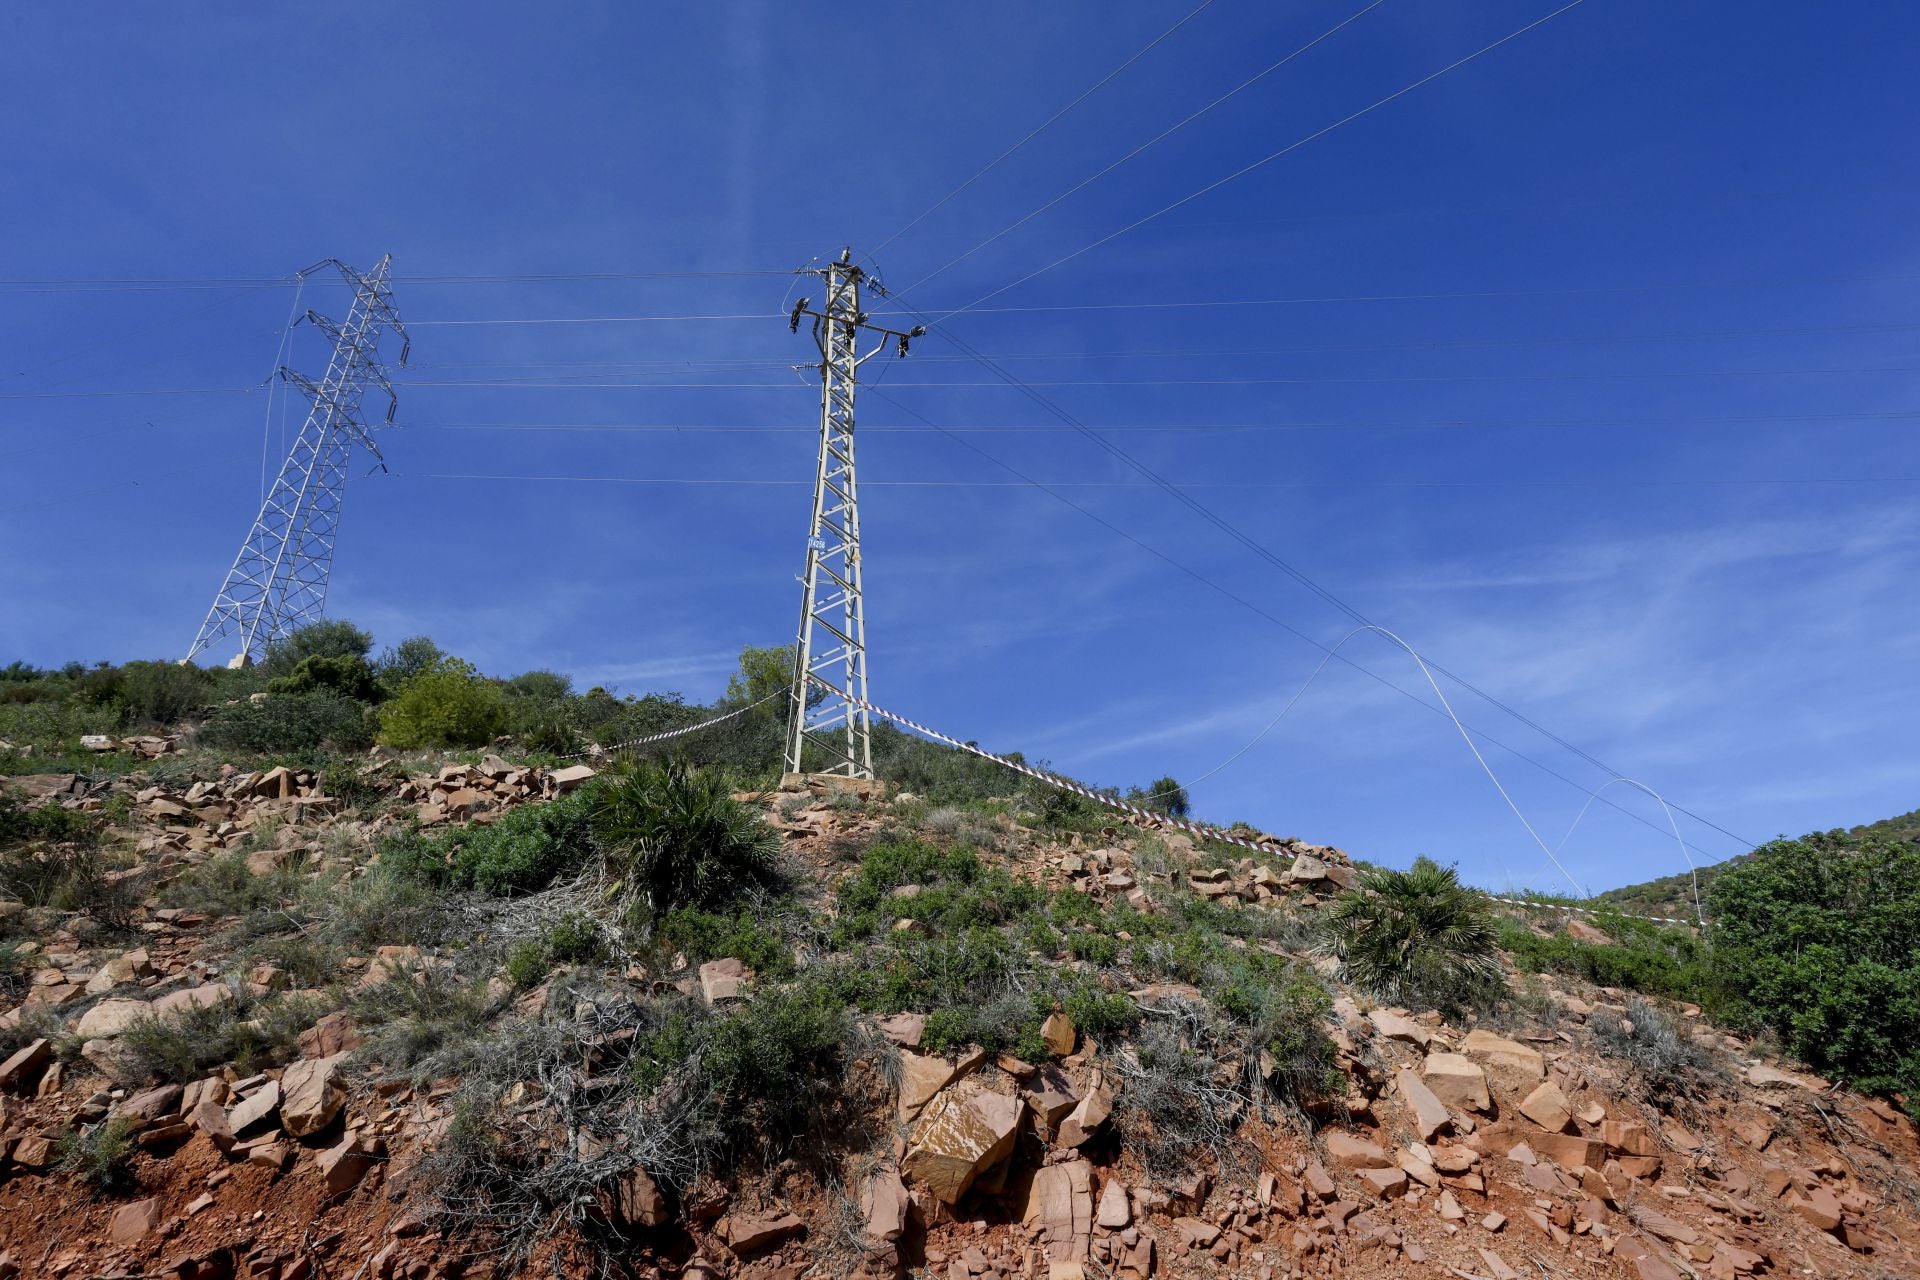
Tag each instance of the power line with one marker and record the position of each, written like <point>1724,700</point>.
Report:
<point>1331,482</point>
<point>1184,428</point>
<point>1228,593</point>
<point>1149,143</point>
<point>583,383</point>
<point>154,391</point>
<point>1570,340</point>
<point>134,284</point>
<point>1177,428</point>
<point>638,319</point>
<point>1048,123</point>
<point>1267,554</point>
<point>1270,158</point>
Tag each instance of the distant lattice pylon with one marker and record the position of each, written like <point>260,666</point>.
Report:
<point>278,581</point>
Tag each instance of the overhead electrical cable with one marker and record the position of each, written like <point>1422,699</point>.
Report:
<point>1048,123</point>
<point>1255,609</point>
<point>1162,136</point>
<point>125,284</point>
<point>1331,482</point>
<point>1200,353</point>
<point>1265,553</point>
<point>593,382</point>
<point>1291,147</point>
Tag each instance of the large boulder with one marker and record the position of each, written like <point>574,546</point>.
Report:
<point>111,1018</point>
<point>922,1075</point>
<point>310,1096</point>
<point>723,980</point>
<point>1457,1080</point>
<point>1356,1153</point>
<point>884,1204</point>
<point>342,1167</point>
<point>1547,1107</point>
<point>1395,1026</point>
<point>1086,1118</point>
<point>1059,1206</point>
<point>132,1223</point>
<point>1512,1066</point>
<point>1429,1113</point>
<point>254,1108</point>
<point>963,1133</point>
<point>1564,1149</point>
<point>754,1232</point>
<point>21,1072</point>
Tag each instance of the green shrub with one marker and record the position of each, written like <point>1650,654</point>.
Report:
<point>288,724</point>
<point>335,638</point>
<point>448,705</point>
<point>939,775</point>
<point>409,1022</point>
<point>526,849</point>
<point>346,675</point>
<point>162,693</point>
<point>251,1034</point>
<point>225,886</point>
<point>710,935</point>
<point>343,781</point>
<point>573,939</point>
<point>68,877</point>
<point>1417,937</point>
<point>1653,960</point>
<point>666,1046</point>
<point>1818,940</point>
<point>1007,1023</point>
<point>1099,1013</point>
<point>101,1156</point>
<point>388,906</point>
<point>956,890</point>
<point>404,661</point>
<point>527,963</point>
<point>22,824</point>
<point>769,1054</point>
<point>674,837</point>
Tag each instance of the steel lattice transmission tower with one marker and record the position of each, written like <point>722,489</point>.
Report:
<point>278,581</point>
<point>830,658</point>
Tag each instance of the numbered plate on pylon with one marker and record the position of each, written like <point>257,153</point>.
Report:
<point>817,543</point>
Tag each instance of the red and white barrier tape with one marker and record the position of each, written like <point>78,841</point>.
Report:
<point>675,733</point>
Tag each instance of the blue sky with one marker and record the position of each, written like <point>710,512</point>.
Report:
<point>1531,344</point>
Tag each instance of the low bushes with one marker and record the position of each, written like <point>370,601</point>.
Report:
<point>449,704</point>
<point>954,891</point>
<point>100,1156</point>
<point>524,850</point>
<point>251,1034</point>
<point>1664,1064</point>
<point>290,724</point>
<point>1643,957</point>
<point>1818,940</point>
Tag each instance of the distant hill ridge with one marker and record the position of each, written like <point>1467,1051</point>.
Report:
<point>1673,895</point>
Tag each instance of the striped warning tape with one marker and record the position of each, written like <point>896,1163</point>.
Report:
<point>692,728</point>
<point>1202,829</point>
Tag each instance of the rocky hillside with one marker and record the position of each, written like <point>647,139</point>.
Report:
<point>419,1018</point>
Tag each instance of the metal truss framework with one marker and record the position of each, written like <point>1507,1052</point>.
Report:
<point>829,709</point>
<point>278,581</point>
